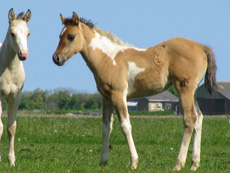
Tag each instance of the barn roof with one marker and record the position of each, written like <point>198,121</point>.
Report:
<point>224,89</point>
<point>165,96</point>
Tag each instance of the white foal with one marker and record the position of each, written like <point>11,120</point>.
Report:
<point>12,75</point>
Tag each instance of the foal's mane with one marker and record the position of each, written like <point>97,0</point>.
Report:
<point>112,37</point>
<point>107,34</point>
<point>20,15</point>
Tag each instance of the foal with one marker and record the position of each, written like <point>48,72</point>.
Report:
<point>122,71</point>
<point>12,76</point>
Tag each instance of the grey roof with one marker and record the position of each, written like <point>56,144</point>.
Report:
<point>224,89</point>
<point>164,96</point>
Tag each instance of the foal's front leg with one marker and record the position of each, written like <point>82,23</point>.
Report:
<point>106,126</point>
<point>13,103</point>
<point>120,104</point>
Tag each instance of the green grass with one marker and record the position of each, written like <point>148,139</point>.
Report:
<point>74,145</point>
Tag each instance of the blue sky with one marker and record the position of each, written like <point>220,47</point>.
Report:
<point>141,23</point>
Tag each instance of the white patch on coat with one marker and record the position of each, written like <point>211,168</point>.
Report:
<point>109,47</point>
<point>132,73</point>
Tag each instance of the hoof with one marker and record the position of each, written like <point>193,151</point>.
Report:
<point>11,161</point>
<point>103,163</point>
<point>194,166</point>
<point>12,164</point>
<point>134,164</point>
<point>178,167</point>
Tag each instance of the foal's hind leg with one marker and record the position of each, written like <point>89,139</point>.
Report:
<point>197,139</point>
<point>13,103</point>
<point>106,126</point>
<point>188,109</point>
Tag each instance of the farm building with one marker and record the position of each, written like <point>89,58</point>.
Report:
<point>158,102</point>
<point>216,104</point>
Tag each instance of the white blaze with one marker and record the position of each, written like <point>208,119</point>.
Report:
<point>21,32</point>
<point>63,30</point>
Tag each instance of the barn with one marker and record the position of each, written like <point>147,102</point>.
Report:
<point>216,104</point>
<point>159,102</point>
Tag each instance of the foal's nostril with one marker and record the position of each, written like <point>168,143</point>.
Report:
<point>56,59</point>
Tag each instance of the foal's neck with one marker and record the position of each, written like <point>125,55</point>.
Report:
<point>89,55</point>
<point>99,44</point>
<point>8,57</point>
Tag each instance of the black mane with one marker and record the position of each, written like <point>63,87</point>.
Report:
<point>20,15</point>
<point>89,23</point>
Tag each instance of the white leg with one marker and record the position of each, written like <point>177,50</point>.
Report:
<point>119,101</point>
<point>197,140</point>
<point>106,126</point>
<point>11,126</point>
<point>127,130</point>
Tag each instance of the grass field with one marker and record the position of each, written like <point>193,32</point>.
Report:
<point>74,145</point>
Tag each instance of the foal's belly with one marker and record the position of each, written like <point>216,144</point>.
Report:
<point>147,86</point>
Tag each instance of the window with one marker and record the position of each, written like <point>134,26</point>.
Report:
<point>168,106</point>
<point>159,106</point>
<point>152,106</point>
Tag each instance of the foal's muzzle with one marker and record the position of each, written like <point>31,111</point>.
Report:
<point>58,60</point>
<point>23,54</point>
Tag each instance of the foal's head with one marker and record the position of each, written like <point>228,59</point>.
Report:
<point>18,33</point>
<point>71,40</point>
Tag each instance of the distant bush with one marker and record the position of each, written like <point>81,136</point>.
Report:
<point>60,99</point>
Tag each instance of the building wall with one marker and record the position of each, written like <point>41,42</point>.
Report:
<point>227,106</point>
<point>155,106</point>
<point>143,105</point>
<point>213,106</point>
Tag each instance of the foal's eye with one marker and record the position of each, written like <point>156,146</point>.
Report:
<point>70,37</point>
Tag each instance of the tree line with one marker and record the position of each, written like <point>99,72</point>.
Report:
<point>58,99</point>
<point>61,99</point>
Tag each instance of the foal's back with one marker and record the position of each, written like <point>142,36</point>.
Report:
<point>172,61</point>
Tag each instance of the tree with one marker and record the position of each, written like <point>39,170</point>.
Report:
<point>59,99</point>
<point>173,90</point>
<point>39,99</point>
<point>90,104</point>
<point>74,102</point>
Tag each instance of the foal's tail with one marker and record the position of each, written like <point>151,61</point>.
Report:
<point>210,76</point>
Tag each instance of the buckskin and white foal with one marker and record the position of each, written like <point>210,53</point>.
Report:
<point>13,51</point>
<point>122,71</point>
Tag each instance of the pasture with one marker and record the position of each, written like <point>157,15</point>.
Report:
<point>60,144</point>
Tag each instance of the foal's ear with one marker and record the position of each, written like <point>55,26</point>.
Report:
<point>75,18</point>
<point>27,16</point>
<point>62,19</point>
<point>11,15</point>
